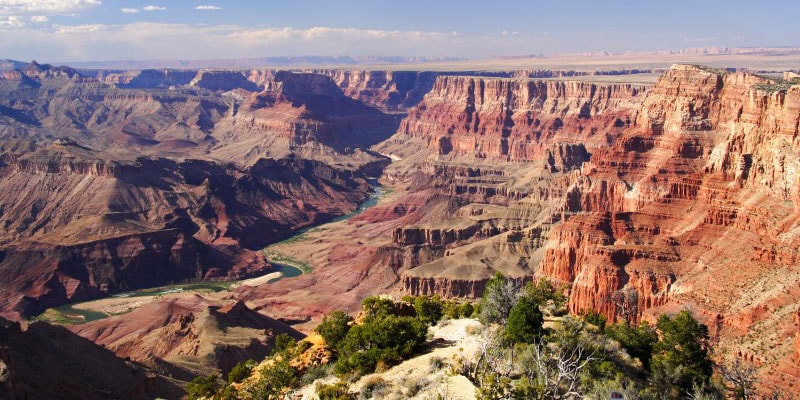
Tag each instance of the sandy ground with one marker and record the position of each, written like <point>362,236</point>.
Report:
<point>420,377</point>
<point>119,305</point>
<point>258,281</point>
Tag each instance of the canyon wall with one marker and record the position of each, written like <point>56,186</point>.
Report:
<point>684,196</point>
<point>108,189</point>
<point>515,120</point>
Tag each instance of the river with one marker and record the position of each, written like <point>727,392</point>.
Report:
<point>288,268</point>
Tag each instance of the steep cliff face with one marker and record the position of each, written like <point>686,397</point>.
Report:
<point>222,81</point>
<point>150,78</point>
<point>704,213</point>
<point>305,114</point>
<point>389,90</point>
<point>682,195</point>
<point>515,119</point>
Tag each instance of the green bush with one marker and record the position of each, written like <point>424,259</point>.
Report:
<point>337,391</point>
<point>429,309</point>
<point>334,328</point>
<point>241,371</point>
<point>680,358</point>
<point>276,379</point>
<point>456,309</point>
<point>637,341</point>
<point>202,386</point>
<point>373,307</point>
<point>545,293</point>
<point>467,310</point>
<point>595,319</point>
<point>387,339</point>
<point>524,322</point>
<point>283,342</point>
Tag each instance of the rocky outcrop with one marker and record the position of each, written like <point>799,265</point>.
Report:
<point>150,78</point>
<point>684,195</point>
<point>516,119</point>
<point>41,72</point>
<point>298,111</point>
<point>188,336</point>
<point>222,81</point>
<point>389,90</point>
<point>76,367</point>
<point>149,222</point>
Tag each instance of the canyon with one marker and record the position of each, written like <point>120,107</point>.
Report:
<point>639,198</point>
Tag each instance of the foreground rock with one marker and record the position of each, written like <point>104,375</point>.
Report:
<point>188,335</point>
<point>45,361</point>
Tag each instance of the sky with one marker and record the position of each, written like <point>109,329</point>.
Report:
<point>101,30</point>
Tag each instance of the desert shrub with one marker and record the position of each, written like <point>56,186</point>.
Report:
<point>228,393</point>
<point>412,387</point>
<point>315,372</point>
<point>276,379</point>
<point>374,386</point>
<point>473,329</point>
<point>336,391</point>
<point>436,364</point>
<point>241,371</point>
<point>387,339</point>
<point>595,319</point>
<point>334,328</point>
<point>499,297</point>
<point>525,322</point>
<point>637,341</point>
<point>202,386</point>
<point>429,309</point>
<point>680,360</point>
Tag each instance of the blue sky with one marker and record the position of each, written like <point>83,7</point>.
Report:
<point>83,30</point>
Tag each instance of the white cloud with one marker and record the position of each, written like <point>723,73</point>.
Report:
<point>154,8</point>
<point>149,40</point>
<point>79,29</point>
<point>208,8</point>
<point>45,6</point>
<point>129,10</point>
<point>39,18</point>
<point>11,22</point>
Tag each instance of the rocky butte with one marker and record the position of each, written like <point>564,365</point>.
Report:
<point>641,199</point>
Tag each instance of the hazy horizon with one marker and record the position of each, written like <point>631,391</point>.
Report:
<point>111,30</point>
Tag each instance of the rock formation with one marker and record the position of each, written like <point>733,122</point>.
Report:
<point>684,196</point>
<point>188,336</point>
<point>45,361</point>
<point>639,199</point>
<point>134,192</point>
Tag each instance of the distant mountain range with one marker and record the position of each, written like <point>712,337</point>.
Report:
<point>338,61</point>
<point>6,65</point>
<point>259,62</point>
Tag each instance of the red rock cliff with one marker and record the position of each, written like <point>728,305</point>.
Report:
<point>513,119</point>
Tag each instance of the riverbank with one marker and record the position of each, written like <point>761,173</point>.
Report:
<point>285,266</point>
